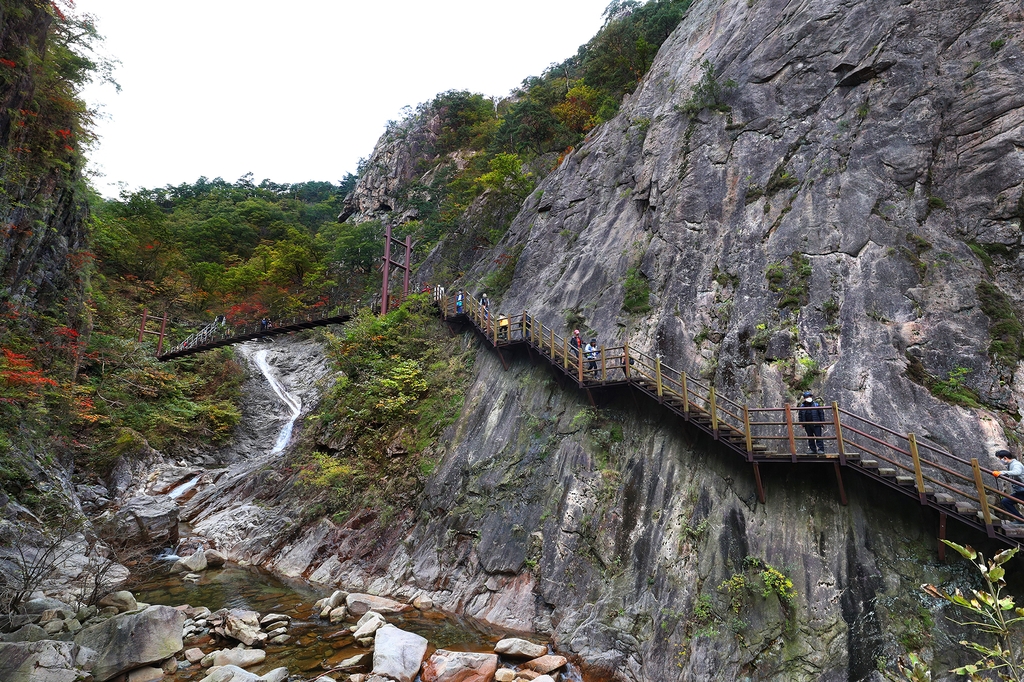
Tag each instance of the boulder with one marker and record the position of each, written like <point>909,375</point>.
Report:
<point>272,618</point>
<point>28,633</point>
<point>132,640</point>
<point>279,639</point>
<point>122,601</point>
<point>147,521</point>
<point>231,673</point>
<point>504,675</point>
<point>368,624</point>
<point>519,648</point>
<point>194,655</point>
<point>358,604</point>
<point>337,614</point>
<point>44,661</point>
<point>191,564</point>
<point>355,662</point>
<point>215,559</point>
<point>337,599</point>
<point>423,603</point>
<point>544,678</point>
<point>40,604</point>
<point>398,654</point>
<point>545,664</point>
<point>145,674</point>
<point>276,675</point>
<point>243,658</point>
<point>460,666</point>
<point>53,627</point>
<point>244,626</point>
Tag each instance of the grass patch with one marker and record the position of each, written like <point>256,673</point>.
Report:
<point>637,292</point>
<point>790,278</point>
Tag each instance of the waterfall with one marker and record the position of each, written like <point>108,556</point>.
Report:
<point>183,488</point>
<point>294,403</point>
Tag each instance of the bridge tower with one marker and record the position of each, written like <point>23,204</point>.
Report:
<point>143,331</point>
<point>388,262</point>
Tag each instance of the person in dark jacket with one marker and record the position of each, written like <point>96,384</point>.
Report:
<point>1014,475</point>
<point>811,418</point>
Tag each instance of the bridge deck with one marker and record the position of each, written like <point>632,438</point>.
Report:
<point>218,337</point>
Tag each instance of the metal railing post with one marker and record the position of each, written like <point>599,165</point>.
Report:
<point>565,353</point>
<point>982,498</point>
<point>839,433</point>
<point>918,474</point>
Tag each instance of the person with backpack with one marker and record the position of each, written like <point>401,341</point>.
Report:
<point>576,343</point>
<point>591,351</point>
<point>458,303</point>
<point>811,418</point>
<point>1014,474</point>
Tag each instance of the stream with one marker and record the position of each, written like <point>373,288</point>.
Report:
<point>316,646</point>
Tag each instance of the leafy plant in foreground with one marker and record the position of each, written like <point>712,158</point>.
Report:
<point>993,614</point>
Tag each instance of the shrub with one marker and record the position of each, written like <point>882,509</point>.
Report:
<point>637,292</point>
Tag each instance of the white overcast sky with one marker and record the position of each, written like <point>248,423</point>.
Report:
<point>300,90</point>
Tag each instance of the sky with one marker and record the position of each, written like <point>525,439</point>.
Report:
<point>301,90</point>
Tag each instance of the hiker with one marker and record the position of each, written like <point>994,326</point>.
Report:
<point>458,303</point>
<point>576,342</point>
<point>812,417</point>
<point>483,307</point>
<point>591,351</point>
<point>502,327</point>
<point>1014,474</point>
<point>263,324</point>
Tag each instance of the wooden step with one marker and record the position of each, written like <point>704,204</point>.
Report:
<point>966,508</point>
<point>908,481</point>
<point>869,463</point>
<point>1015,530</point>
<point>887,471</point>
<point>945,499</point>
<point>995,522</point>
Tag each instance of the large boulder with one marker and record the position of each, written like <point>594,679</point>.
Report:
<point>244,626</point>
<point>368,624</point>
<point>147,521</point>
<point>460,666</point>
<point>132,640</point>
<point>191,564</point>
<point>358,604</point>
<point>519,648</point>
<point>243,658</point>
<point>122,601</point>
<point>398,654</point>
<point>545,664</point>
<point>44,661</point>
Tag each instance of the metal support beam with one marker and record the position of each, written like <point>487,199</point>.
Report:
<point>839,480</point>
<point>757,480</point>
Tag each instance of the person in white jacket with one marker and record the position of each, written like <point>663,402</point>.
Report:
<point>1014,474</point>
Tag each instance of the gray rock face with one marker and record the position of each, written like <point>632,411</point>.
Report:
<point>131,640</point>
<point>398,654</point>
<point>150,521</point>
<point>44,661</point>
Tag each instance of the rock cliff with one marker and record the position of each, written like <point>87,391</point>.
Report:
<point>847,214</point>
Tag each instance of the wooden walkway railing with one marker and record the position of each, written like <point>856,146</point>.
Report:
<point>954,486</point>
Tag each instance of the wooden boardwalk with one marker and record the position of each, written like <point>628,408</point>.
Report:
<point>955,487</point>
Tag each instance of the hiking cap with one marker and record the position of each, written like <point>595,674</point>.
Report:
<point>575,332</point>
<point>808,394</point>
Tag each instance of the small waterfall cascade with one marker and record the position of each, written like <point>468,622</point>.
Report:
<point>293,402</point>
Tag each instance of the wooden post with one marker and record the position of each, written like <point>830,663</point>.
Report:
<point>918,474</point>
<point>625,359</point>
<point>839,433</point>
<point>163,328</point>
<point>983,498</point>
<point>746,432</point>
<point>565,353</point>
<point>553,356</point>
<point>142,327</point>
<point>604,367</point>
<point>789,431</point>
<point>579,367</point>
<point>686,399</point>
<point>408,262</point>
<point>657,376</point>
<point>714,413</point>
<point>387,271</point>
